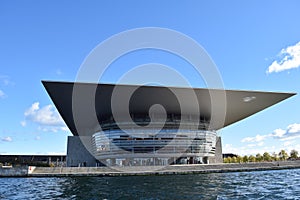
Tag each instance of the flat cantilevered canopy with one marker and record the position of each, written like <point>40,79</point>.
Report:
<point>97,98</point>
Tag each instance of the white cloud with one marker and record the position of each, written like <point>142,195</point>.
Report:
<point>228,148</point>
<point>246,150</point>
<point>292,131</point>
<point>46,117</point>
<point>23,123</point>
<point>256,144</point>
<point>5,80</point>
<point>278,133</point>
<point>288,143</point>
<point>64,128</point>
<point>37,138</point>
<point>290,58</point>
<point>290,138</point>
<point>257,138</point>
<point>2,94</point>
<point>259,143</point>
<point>6,139</point>
<point>294,128</point>
<point>52,128</point>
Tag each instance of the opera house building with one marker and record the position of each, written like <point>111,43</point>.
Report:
<point>131,125</point>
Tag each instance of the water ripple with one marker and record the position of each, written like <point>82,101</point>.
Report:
<point>282,184</point>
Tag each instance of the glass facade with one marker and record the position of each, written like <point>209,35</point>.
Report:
<point>177,142</point>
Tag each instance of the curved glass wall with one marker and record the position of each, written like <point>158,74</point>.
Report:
<point>150,146</point>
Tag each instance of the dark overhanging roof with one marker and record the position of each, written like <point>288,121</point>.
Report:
<point>237,104</point>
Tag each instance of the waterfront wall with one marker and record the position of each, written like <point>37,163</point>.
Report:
<point>147,170</point>
<point>13,171</point>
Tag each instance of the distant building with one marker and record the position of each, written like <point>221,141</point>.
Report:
<point>182,132</point>
<point>37,160</point>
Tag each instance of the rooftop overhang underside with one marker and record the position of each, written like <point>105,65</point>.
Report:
<point>83,105</point>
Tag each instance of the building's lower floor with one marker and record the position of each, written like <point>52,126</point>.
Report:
<point>81,152</point>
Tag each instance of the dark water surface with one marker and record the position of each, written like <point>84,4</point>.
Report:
<point>282,184</point>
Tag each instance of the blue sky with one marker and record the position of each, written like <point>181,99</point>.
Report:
<point>254,44</point>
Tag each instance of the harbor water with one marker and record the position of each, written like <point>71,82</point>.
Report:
<point>273,184</point>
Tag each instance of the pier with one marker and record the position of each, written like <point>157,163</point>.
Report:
<point>31,171</point>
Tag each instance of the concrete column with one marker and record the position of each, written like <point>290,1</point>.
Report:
<point>77,154</point>
<point>218,158</point>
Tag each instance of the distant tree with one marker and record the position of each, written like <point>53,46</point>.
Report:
<point>267,157</point>
<point>258,157</point>
<point>251,158</point>
<point>283,155</point>
<point>239,159</point>
<point>275,156</point>
<point>227,160</point>
<point>294,154</point>
<point>234,159</point>
<point>245,158</point>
